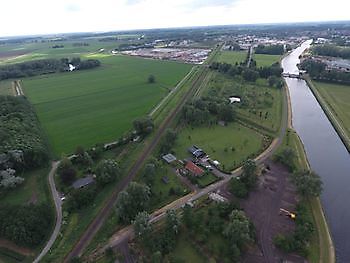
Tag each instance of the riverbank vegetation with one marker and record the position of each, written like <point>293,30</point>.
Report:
<point>331,51</point>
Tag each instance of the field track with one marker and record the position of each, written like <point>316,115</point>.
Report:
<point>105,211</point>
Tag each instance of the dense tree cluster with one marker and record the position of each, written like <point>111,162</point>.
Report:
<point>44,66</point>
<point>248,74</point>
<point>308,183</point>
<point>332,51</point>
<point>107,171</point>
<point>81,198</point>
<point>8,179</point>
<point>241,186</point>
<point>22,144</point>
<point>270,50</point>
<point>207,110</point>
<point>317,70</point>
<point>143,126</point>
<point>287,157</point>
<point>132,201</point>
<point>67,172</point>
<point>168,141</point>
<point>26,225</point>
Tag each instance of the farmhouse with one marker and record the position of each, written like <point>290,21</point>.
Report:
<point>194,169</point>
<point>196,152</point>
<point>82,182</point>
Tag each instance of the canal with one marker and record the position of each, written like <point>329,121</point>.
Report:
<point>326,153</point>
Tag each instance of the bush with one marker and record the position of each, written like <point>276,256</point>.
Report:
<point>238,188</point>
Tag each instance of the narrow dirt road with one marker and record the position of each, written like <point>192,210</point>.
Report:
<point>58,207</point>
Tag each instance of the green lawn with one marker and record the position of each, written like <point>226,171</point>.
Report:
<point>230,145</point>
<point>86,107</point>
<point>337,97</point>
<point>263,60</point>
<point>231,57</point>
<point>6,88</point>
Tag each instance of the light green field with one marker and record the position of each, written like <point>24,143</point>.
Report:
<point>99,105</point>
<point>337,97</point>
<point>264,60</point>
<point>217,142</point>
<point>6,88</point>
<point>231,57</point>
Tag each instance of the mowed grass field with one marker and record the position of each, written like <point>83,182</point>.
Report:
<point>99,105</point>
<point>338,99</point>
<point>264,60</point>
<point>230,145</point>
<point>231,57</point>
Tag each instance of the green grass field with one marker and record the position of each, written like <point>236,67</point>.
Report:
<point>337,97</point>
<point>87,107</point>
<point>231,57</point>
<point>263,60</point>
<point>218,142</point>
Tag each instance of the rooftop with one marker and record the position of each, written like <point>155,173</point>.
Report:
<point>194,169</point>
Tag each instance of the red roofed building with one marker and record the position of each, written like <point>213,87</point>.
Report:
<point>194,169</point>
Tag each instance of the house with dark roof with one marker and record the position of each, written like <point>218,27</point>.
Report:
<point>194,169</point>
<point>83,182</point>
<point>196,152</point>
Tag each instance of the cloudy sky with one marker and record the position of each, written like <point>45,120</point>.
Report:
<point>24,17</point>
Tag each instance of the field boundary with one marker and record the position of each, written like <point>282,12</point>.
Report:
<point>329,113</point>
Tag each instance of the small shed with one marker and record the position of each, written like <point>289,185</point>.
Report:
<point>82,182</point>
<point>169,158</point>
<point>234,99</point>
<point>194,169</point>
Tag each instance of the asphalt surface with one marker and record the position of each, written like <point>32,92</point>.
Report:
<point>105,211</point>
<point>58,207</point>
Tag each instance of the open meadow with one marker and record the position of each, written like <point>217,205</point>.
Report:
<point>95,106</point>
<point>231,57</point>
<point>337,97</point>
<point>230,145</point>
<point>264,60</point>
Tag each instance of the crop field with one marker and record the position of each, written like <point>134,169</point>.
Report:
<point>264,60</point>
<point>92,106</point>
<point>231,57</point>
<point>337,97</point>
<point>230,145</point>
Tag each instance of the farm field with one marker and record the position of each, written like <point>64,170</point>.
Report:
<point>264,60</point>
<point>230,145</point>
<point>231,57</point>
<point>337,97</point>
<point>87,107</point>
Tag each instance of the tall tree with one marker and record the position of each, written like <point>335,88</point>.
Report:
<point>107,171</point>
<point>308,183</point>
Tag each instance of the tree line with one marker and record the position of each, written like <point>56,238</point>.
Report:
<point>251,74</point>
<point>318,70</point>
<point>270,50</point>
<point>45,66</point>
<point>331,51</point>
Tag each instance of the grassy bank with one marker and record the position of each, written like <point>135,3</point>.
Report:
<point>339,120</point>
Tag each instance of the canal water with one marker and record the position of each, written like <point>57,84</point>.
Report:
<point>326,153</point>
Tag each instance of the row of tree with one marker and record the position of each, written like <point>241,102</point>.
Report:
<point>270,50</point>
<point>317,70</point>
<point>44,66</point>
<point>250,74</point>
<point>332,51</point>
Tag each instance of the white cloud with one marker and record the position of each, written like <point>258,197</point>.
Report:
<point>52,16</point>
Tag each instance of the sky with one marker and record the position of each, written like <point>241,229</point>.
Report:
<point>23,17</point>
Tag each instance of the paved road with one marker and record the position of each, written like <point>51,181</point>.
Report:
<point>105,211</point>
<point>58,207</point>
<point>127,233</point>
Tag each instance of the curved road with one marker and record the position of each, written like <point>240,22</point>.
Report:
<point>58,207</point>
